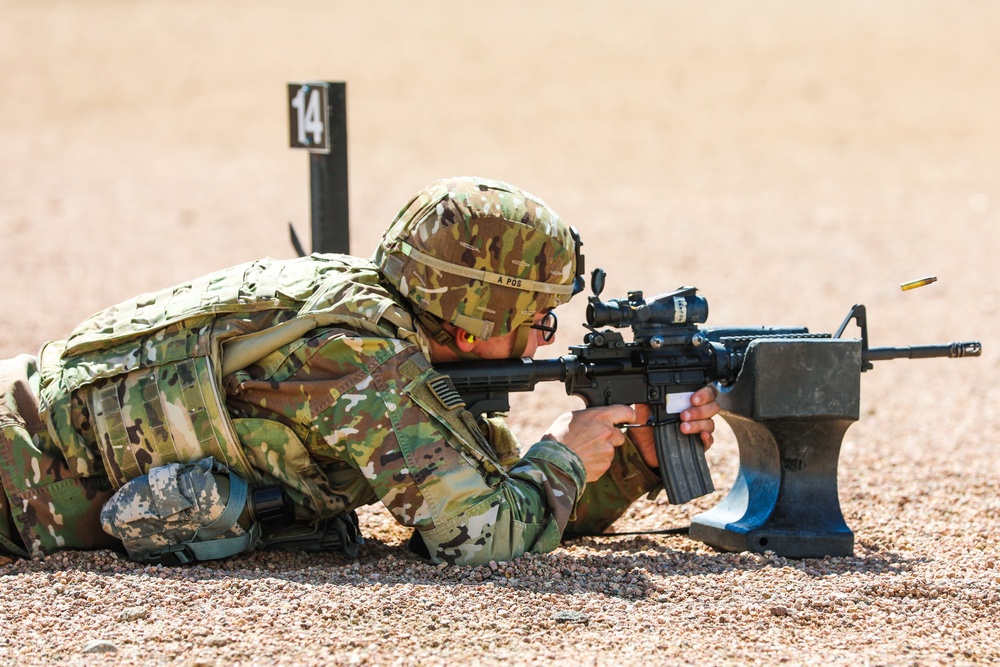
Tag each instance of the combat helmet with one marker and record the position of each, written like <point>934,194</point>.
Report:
<point>482,255</point>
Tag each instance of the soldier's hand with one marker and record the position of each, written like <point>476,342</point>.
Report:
<point>696,419</point>
<point>592,435</point>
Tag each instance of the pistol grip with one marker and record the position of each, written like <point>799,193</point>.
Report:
<point>683,466</point>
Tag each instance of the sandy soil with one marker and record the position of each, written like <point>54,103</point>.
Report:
<point>790,159</point>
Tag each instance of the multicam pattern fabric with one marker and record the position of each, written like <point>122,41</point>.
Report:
<point>604,501</point>
<point>525,253</point>
<point>342,411</point>
<point>364,410</point>
<point>44,506</point>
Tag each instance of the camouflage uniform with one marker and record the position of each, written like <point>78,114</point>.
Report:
<point>306,373</point>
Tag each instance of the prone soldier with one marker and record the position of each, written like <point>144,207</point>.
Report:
<point>261,405</point>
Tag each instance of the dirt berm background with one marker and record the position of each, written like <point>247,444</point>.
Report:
<point>789,159</point>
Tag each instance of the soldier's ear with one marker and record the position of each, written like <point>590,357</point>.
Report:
<point>464,340</point>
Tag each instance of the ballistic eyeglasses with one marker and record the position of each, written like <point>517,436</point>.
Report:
<point>547,326</point>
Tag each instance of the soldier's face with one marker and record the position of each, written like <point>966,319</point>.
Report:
<point>502,347</point>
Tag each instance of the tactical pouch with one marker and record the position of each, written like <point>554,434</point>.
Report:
<point>169,413</point>
<point>180,513</point>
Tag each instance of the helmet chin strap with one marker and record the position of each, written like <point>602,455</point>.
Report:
<point>521,343</point>
<point>443,337</point>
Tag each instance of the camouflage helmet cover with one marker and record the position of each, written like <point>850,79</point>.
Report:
<point>481,254</point>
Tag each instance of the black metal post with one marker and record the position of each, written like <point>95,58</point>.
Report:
<point>318,123</point>
<point>328,180</point>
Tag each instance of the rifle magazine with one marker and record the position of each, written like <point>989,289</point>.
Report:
<point>683,465</point>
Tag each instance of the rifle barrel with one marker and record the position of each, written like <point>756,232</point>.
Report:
<point>948,350</point>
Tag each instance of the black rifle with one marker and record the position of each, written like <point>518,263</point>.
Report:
<point>669,357</point>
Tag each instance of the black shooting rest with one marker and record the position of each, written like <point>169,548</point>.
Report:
<point>789,409</point>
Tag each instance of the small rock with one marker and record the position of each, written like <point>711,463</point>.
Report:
<point>133,614</point>
<point>569,616</point>
<point>100,646</point>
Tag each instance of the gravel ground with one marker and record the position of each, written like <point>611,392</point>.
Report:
<point>790,159</point>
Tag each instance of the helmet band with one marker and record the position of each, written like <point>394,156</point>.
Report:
<point>485,276</point>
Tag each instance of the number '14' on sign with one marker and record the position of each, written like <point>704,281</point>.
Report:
<point>308,105</point>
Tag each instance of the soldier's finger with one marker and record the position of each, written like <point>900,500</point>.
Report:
<point>617,414</point>
<point>703,412</point>
<point>706,394</point>
<point>707,439</point>
<point>698,426</point>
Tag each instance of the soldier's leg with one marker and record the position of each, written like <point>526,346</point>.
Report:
<point>45,506</point>
<point>10,541</point>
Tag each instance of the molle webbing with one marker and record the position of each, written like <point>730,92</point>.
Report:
<point>173,413</point>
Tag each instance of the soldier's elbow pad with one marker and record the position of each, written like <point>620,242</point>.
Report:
<point>180,513</point>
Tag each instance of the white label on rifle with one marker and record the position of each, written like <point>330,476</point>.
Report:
<point>680,310</point>
<point>679,402</point>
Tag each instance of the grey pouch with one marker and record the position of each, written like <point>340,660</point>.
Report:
<point>180,513</point>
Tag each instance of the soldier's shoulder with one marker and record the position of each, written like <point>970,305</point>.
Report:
<point>351,347</point>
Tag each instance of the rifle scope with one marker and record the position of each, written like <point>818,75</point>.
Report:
<point>680,307</point>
